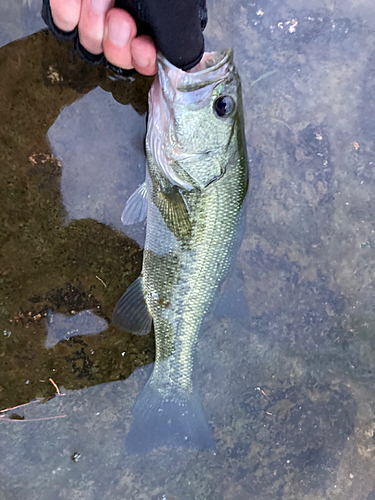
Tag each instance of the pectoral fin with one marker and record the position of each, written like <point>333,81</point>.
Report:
<point>174,210</point>
<point>131,313</point>
<point>136,207</point>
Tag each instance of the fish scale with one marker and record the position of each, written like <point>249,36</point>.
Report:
<point>200,278</point>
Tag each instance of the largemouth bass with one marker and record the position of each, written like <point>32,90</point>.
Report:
<point>196,181</point>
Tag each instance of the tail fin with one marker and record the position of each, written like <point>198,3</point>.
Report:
<point>159,422</point>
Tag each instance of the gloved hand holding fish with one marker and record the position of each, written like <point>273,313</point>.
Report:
<point>125,32</point>
<point>196,182</point>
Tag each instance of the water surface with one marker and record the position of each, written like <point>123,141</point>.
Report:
<point>286,369</point>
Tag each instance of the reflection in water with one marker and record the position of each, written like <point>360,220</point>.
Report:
<point>100,145</point>
<point>19,18</point>
<point>62,327</point>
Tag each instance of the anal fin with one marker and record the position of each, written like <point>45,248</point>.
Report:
<point>131,313</point>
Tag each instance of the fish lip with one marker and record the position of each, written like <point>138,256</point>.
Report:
<point>213,69</point>
<point>227,56</point>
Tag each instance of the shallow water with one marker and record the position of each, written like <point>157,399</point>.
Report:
<point>286,369</point>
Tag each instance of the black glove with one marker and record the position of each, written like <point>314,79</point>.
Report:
<point>175,25</point>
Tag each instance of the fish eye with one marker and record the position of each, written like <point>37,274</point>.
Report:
<point>223,105</point>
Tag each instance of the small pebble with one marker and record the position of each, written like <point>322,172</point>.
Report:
<point>75,457</point>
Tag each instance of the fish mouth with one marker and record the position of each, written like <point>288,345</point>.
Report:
<point>210,62</point>
<point>213,67</point>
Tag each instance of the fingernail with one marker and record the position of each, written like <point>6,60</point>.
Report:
<point>118,32</point>
<point>100,5</point>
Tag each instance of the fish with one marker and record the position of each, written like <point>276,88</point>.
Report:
<point>192,199</point>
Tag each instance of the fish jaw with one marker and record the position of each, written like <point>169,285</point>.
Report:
<point>180,107</point>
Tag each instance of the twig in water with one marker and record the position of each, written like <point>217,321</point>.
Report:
<point>281,121</point>
<point>37,400</point>
<point>56,387</point>
<point>262,77</point>
<point>4,419</point>
<point>101,281</point>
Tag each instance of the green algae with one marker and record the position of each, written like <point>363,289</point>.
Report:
<point>44,263</point>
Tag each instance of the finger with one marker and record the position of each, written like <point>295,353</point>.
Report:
<point>144,55</point>
<point>91,24</point>
<point>120,30</point>
<point>66,13</point>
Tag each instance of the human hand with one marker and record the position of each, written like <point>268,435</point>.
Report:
<point>103,28</point>
<point>105,34</point>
